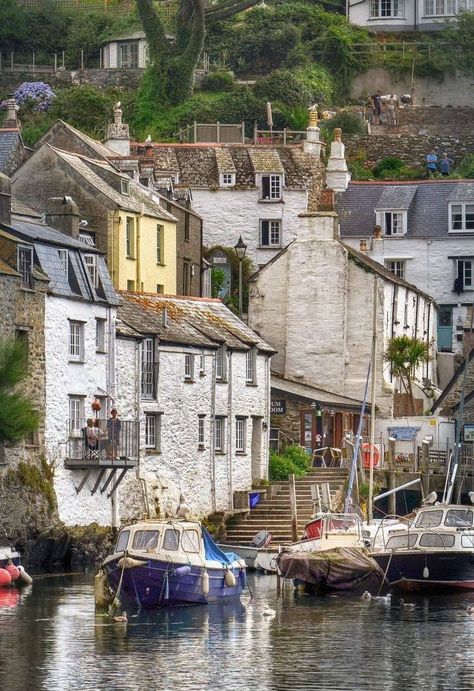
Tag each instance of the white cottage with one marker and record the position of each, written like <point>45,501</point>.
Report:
<point>129,51</point>
<point>314,305</point>
<point>425,235</point>
<point>80,309</point>
<point>200,381</point>
<point>405,15</point>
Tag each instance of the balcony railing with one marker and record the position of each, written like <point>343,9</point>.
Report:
<point>107,443</point>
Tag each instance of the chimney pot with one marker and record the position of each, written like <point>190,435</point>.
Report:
<point>149,149</point>
<point>377,232</point>
<point>326,202</point>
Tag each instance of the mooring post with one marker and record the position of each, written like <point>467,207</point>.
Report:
<point>392,500</point>
<point>425,467</point>
<point>294,513</point>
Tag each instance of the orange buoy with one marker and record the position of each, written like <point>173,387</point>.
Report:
<point>14,571</point>
<point>5,578</point>
<point>366,455</point>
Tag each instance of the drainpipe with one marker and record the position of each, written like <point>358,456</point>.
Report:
<point>111,388</point>
<point>113,261</point>
<point>266,433</point>
<point>212,434</point>
<point>139,260</point>
<point>229,431</point>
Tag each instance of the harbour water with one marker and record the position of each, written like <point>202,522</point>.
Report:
<point>51,638</point>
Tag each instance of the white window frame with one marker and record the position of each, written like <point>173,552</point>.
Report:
<point>202,365</point>
<point>147,369</point>
<point>396,267</point>
<point>90,260</point>
<point>130,237</point>
<point>221,370</point>
<point>25,265</point>
<point>64,260</point>
<point>227,179</point>
<point>273,232</point>
<point>125,187</point>
<point>201,431</point>
<point>76,341</point>
<point>250,366</point>
<point>463,205</point>
<point>443,8</point>
<point>219,434</point>
<point>189,367</point>
<point>401,227</point>
<point>76,415</point>
<point>468,263</point>
<point>128,55</point>
<point>240,435</point>
<point>153,431</point>
<point>275,184</point>
<point>378,11</point>
<point>86,239</point>
<point>100,323</point>
<point>160,244</point>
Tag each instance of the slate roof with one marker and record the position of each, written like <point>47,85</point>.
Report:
<point>426,202</point>
<point>198,165</point>
<point>300,389</point>
<point>200,322</point>
<point>138,200</point>
<point>10,142</point>
<point>76,284</point>
<point>100,149</point>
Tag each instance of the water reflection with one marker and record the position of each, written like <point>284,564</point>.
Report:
<point>53,639</point>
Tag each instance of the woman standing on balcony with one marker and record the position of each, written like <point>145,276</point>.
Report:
<point>92,438</point>
<point>114,426</point>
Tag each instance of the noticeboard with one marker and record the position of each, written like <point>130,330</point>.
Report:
<point>278,406</point>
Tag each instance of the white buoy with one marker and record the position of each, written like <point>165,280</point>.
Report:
<point>24,577</point>
<point>426,572</point>
<point>205,583</point>
<point>229,579</point>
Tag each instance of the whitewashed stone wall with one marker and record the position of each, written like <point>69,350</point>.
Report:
<point>314,305</point>
<point>428,266</point>
<point>229,213</point>
<point>206,479</point>
<point>63,379</point>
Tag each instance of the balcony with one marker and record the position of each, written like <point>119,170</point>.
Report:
<point>107,448</point>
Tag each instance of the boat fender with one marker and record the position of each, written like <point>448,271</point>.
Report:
<point>229,579</point>
<point>183,570</point>
<point>13,571</point>
<point>24,577</point>
<point>205,583</point>
<point>243,579</point>
<point>5,578</point>
<point>426,572</point>
<point>129,563</point>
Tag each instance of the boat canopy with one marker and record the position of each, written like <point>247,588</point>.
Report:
<point>214,553</point>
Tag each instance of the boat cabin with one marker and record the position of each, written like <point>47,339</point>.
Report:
<point>173,538</point>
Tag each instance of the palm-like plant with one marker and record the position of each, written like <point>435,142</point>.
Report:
<point>405,355</point>
<point>17,416</point>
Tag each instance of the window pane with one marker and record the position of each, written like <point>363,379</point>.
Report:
<point>467,541</point>
<point>436,540</point>
<point>171,541</point>
<point>147,368</point>
<point>201,431</point>
<point>249,369</point>
<point>264,233</point>
<point>190,541</point>
<point>150,431</point>
<point>459,518</point>
<point>91,266</point>
<point>159,244</point>
<point>145,539</point>
<point>275,187</point>
<point>401,541</point>
<point>456,217</point>
<point>469,216</point>
<point>467,274</point>
<point>429,519</point>
<point>122,541</point>
<point>274,232</point>
<point>239,435</point>
<point>429,7</point>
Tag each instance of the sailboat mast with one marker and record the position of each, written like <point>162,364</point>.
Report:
<point>372,404</point>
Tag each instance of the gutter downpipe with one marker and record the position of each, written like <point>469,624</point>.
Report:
<point>229,431</point>
<point>111,387</point>
<point>212,433</point>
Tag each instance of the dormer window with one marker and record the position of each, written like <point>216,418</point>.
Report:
<point>271,187</point>
<point>64,260</point>
<point>90,261</point>
<point>25,266</point>
<point>125,187</point>
<point>393,223</point>
<point>461,218</point>
<point>227,179</point>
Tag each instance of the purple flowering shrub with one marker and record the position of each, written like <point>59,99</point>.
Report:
<point>38,96</point>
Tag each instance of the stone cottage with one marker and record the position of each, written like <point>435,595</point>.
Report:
<point>314,304</point>
<point>198,380</point>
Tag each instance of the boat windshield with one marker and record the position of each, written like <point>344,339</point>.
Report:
<point>145,539</point>
<point>171,541</point>
<point>401,541</point>
<point>429,519</point>
<point>190,541</point>
<point>459,518</point>
<point>122,541</point>
<point>436,540</point>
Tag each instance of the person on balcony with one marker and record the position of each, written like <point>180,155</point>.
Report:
<point>114,426</point>
<point>92,439</point>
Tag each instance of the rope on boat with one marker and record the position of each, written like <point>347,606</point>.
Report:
<point>385,574</point>
<point>117,592</point>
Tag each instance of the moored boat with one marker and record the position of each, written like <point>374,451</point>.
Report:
<point>159,563</point>
<point>11,570</point>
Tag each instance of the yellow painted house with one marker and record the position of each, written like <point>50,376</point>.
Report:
<point>120,217</point>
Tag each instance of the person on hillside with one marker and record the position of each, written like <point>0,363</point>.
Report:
<point>431,163</point>
<point>391,113</point>
<point>376,108</point>
<point>445,164</point>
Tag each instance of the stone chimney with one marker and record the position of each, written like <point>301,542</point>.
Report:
<point>363,246</point>
<point>377,246</point>
<point>337,175</point>
<point>63,213</point>
<point>11,118</point>
<point>118,134</point>
<point>312,144</point>
<point>5,200</point>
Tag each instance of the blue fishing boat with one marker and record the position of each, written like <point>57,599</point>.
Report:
<point>161,563</point>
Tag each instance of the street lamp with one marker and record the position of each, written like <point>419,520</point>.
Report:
<point>316,408</point>
<point>240,250</point>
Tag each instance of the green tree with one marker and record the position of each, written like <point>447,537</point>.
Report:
<point>170,77</point>
<point>17,416</point>
<point>405,355</point>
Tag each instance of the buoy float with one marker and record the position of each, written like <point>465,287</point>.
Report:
<point>366,449</point>
<point>229,579</point>
<point>13,571</point>
<point>205,583</point>
<point>183,570</point>
<point>24,577</point>
<point>426,572</point>
<point>5,578</point>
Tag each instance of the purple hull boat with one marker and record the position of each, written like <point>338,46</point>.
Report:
<point>168,563</point>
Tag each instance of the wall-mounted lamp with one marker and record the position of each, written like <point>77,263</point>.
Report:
<point>264,426</point>
<point>316,408</point>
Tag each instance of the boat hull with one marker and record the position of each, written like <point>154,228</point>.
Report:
<point>418,571</point>
<point>157,583</point>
